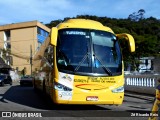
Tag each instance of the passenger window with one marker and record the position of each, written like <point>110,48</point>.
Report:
<point>49,54</point>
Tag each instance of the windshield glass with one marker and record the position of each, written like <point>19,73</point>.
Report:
<point>81,51</point>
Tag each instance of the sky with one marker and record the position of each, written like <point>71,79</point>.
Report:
<point>14,11</point>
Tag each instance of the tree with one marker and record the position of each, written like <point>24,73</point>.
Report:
<point>136,16</point>
<point>53,23</point>
<point>141,14</point>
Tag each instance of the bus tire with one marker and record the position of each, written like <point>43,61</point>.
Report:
<point>2,83</point>
<point>34,86</point>
<point>10,83</point>
<point>44,88</point>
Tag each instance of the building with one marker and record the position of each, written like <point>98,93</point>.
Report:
<point>156,65</point>
<point>146,64</point>
<point>19,41</point>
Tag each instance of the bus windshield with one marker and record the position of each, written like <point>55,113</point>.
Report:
<point>85,51</point>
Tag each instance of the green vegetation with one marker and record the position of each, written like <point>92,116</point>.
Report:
<point>146,32</point>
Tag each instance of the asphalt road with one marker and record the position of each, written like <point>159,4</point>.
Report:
<point>23,100</point>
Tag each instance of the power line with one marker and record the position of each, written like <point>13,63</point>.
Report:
<point>17,55</point>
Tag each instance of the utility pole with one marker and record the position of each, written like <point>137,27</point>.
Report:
<point>31,58</point>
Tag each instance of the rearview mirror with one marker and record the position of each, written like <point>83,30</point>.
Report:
<point>130,40</point>
<point>54,35</point>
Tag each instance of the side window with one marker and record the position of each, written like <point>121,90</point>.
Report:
<point>49,54</point>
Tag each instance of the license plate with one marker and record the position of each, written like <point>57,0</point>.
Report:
<point>92,98</point>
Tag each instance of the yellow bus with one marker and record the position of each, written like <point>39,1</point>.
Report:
<point>81,63</point>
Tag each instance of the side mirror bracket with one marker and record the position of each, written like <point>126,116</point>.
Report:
<point>54,35</point>
<point>130,40</point>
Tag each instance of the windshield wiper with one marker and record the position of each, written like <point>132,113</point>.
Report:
<point>83,59</point>
<point>107,70</point>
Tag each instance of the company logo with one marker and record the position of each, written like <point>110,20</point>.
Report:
<point>21,114</point>
<point>6,114</point>
<point>67,77</point>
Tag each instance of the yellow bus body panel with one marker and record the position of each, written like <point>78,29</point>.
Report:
<point>83,23</point>
<point>84,87</point>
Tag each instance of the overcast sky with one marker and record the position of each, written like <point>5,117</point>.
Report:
<point>14,11</point>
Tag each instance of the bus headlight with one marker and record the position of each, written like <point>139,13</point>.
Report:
<point>118,90</point>
<point>60,87</point>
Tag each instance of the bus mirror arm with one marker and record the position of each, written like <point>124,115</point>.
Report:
<point>130,40</point>
<point>54,35</point>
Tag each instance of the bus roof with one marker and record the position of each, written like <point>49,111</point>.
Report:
<point>83,23</point>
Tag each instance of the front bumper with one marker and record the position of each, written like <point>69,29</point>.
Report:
<point>106,97</point>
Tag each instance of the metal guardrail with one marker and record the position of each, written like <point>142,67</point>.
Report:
<point>141,83</point>
<point>149,82</point>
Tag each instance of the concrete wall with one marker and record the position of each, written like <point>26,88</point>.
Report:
<point>1,39</point>
<point>21,40</point>
<point>156,65</point>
